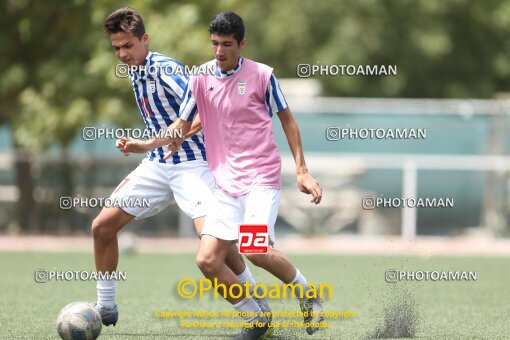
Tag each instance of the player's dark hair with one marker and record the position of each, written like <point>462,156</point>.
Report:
<point>126,20</point>
<point>227,23</point>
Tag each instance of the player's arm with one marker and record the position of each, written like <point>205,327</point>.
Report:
<point>130,145</point>
<point>306,182</point>
<point>158,141</point>
<point>275,102</point>
<point>196,126</point>
<point>169,138</point>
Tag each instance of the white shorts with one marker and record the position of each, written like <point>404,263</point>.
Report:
<point>259,206</point>
<point>191,183</point>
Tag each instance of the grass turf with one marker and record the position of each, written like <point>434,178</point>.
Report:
<point>446,310</point>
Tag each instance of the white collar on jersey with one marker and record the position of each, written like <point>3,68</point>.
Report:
<point>222,74</point>
<point>148,57</point>
<point>133,74</point>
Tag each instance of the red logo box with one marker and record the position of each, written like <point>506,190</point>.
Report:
<point>253,239</point>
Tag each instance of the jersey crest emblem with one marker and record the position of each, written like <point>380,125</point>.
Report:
<point>152,86</point>
<point>241,87</point>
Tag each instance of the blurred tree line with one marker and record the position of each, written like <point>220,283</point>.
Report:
<point>58,67</point>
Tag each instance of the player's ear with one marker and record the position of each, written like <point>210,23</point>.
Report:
<point>241,44</point>
<point>145,39</point>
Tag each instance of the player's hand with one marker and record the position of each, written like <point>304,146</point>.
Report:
<point>173,146</point>
<point>120,143</point>
<point>310,186</point>
<point>129,145</point>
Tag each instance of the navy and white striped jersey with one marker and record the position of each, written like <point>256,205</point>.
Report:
<point>158,92</point>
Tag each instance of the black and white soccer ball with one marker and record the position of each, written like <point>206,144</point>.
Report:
<point>79,320</point>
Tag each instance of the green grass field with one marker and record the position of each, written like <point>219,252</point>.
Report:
<point>447,310</point>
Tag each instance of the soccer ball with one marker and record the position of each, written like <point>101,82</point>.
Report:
<point>79,320</point>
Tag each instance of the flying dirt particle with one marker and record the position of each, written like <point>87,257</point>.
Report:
<point>400,317</point>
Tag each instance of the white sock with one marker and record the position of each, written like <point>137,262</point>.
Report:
<point>250,307</point>
<point>246,276</point>
<point>300,280</point>
<point>106,290</point>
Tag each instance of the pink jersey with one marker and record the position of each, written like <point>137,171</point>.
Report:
<point>241,148</point>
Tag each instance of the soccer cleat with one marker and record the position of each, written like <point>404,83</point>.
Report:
<point>311,309</point>
<point>109,316</point>
<point>262,302</point>
<point>257,332</point>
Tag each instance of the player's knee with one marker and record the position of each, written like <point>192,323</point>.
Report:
<point>208,263</point>
<point>258,260</point>
<point>102,229</point>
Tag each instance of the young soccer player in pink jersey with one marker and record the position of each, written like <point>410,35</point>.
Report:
<point>235,107</point>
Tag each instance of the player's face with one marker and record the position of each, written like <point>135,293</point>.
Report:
<point>128,48</point>
<point>226,50</point>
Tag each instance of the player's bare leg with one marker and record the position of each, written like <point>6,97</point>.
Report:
<point>233,259</point>
<point>106,255</point>
<point>279,265</point>
<point>235,262</point>
<point>104,230</point>
<point>211,261</point>
<point>276,263</point>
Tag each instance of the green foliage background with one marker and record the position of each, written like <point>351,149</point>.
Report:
<point>58,69</point>
<point>57,66</point>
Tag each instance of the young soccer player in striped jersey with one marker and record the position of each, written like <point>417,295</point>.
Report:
<point>235,107</point>
<point>185,176</point>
